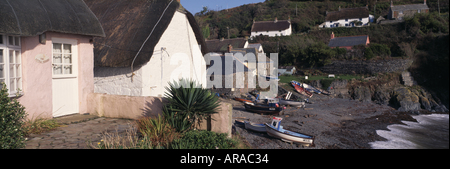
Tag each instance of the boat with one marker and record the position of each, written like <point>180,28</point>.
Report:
<point>301,90</point>
<point>323,91</point>
<point>277,131</point>
<point>292,103</point>
<point>255,127</point>
<point>311,89</point>
<point>265,109</point>
<point>239,122</point>
<point>242,100</point>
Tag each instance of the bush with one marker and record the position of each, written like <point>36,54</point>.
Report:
<point>188,104</point>
<point>200,139</point>
<point>156,130</point>
<point>12,115</point>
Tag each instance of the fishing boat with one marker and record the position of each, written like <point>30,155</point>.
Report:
<point>311,89</point>
<point>265,109</point>
<point>292,103</point>
<point>277,131</point>
<point>255,127</point>
<point>301,90</point>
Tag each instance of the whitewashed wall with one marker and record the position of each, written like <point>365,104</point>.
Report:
<point>286,32</point>
<point>342,22</point>
<point>182,58</point>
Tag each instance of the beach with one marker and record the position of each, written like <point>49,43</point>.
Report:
<point>335,123</point>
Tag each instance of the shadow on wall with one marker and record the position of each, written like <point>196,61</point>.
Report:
<point>153,107</point>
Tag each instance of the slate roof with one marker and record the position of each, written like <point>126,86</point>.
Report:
<point>348,13</point>
<point>34,17</point>
<point>262,26</point>
<point>409,7</point>
<point>221,46</point>
<point>348,41</point>
<point>127,25</point>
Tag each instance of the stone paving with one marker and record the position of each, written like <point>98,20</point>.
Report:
<point>77,135</point>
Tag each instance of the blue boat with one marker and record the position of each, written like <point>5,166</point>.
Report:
<point>277,131</point>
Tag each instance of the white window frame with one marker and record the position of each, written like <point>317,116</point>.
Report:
<point>12,46</point>
<point>74,54</point>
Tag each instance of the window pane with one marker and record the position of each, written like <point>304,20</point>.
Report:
<point>1,82</point>
<point>57,48</point>
<point>17,57</point>
<point>2,72</point>
<point>57,58</point>
<point>10,40</point>
<point>11,70</point>
<point>1,56</point>
<point>11,56</point>
<point>68,69</point>
<point>57,69</point>
<point>19,83</point>
<point>18,71</point>
<point>68,58</point>
<point>1,39</point>
<point>67,48</point>
<point>17,41</point>
<point>12,87</point>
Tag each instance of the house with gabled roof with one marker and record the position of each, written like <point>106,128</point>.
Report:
<point>148,44</point>
<point>347,17</point>
<point>398,12</point>
<point>220,46</point>
<point>271,28</point>
<point>46,55</point>
<point>348,41</point>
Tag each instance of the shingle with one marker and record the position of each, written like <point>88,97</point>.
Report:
<point>409,7</point>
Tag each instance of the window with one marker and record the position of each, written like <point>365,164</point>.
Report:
<point>346,20</point>
<point>400,12</point>
<point>11,63</point>
<point>331,21</point>
<point>418,11</point>
<point>360,19</point>
<point>62,59</point>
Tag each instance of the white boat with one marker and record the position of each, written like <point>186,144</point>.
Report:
<point>277,131</point>
<point>255,126</point>
<point>292,103</point>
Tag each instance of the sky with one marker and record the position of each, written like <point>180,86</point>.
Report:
<point>195,6</point>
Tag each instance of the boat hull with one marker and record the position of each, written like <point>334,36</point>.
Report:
<point>292,103</point>
<point>290,136</point>
<point>301,90</point>
<point>242,100</point>
<point>255,127</point>
<point>263,109</point>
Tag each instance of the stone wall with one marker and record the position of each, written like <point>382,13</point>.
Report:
<point>367,66</point>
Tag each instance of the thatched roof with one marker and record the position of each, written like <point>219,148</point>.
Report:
<point>263,26</point>
<point>348,13</point>
<point>34,17</point>
<point>127,25</point>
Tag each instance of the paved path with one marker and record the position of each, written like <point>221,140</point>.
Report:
<point>77,135</point>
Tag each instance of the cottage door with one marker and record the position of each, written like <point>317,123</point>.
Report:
<point>65,79</point>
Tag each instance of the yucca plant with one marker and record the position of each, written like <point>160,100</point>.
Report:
<point>188,104</point>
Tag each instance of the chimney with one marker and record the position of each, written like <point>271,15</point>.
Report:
<point>276,19</point>
<point>392,4</point>
<point>339,8</point>
<point>424,2</point>
<point>229,48</point>
<point>332,35</point>
<point>178,1</point>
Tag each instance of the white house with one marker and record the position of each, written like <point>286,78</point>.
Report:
<point>271,28</point>
<point>139,56</point>
<point>347,17</point>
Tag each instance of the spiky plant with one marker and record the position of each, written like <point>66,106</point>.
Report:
<point>190,103</point>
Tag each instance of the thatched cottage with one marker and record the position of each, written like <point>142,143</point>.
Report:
<point>46,55</point>
<point>148,44</point>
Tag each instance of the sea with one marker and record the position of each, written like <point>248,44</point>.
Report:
<point>429,132</point>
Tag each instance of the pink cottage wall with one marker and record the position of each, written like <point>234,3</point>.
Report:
<point>37,73</point>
